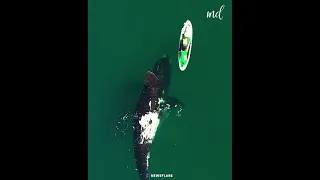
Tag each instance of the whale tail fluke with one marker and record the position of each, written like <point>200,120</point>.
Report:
<point>151,79</point>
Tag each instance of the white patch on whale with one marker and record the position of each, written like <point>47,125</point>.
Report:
<point>148,156</point>
<point>148,130</point>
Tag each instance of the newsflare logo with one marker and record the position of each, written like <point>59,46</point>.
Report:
<point>150,175</point>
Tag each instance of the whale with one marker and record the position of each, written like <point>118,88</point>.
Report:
<point>153,98</point>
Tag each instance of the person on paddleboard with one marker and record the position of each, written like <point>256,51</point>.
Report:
<point>184,42</point>
<point>184,45</point>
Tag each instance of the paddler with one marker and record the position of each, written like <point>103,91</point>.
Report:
<point>185,41</point>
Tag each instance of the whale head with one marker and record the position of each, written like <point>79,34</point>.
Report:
<point>162,69</point>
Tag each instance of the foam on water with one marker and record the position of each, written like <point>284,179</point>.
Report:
<point>161,100</point>
<point>179,112</point>
<point>124,121</point>
<point>123,126</point>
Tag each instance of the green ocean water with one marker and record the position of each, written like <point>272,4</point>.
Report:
<point>125,39</point>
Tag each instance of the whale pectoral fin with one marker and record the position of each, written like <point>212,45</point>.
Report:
<point>175,102</point>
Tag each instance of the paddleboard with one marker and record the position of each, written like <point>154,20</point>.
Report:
<point>184,56</point>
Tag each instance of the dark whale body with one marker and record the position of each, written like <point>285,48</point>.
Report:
<point>156,85</point>
<point>149,93</point>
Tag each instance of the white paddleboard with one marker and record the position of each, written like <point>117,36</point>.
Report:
<point>187,26</point>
